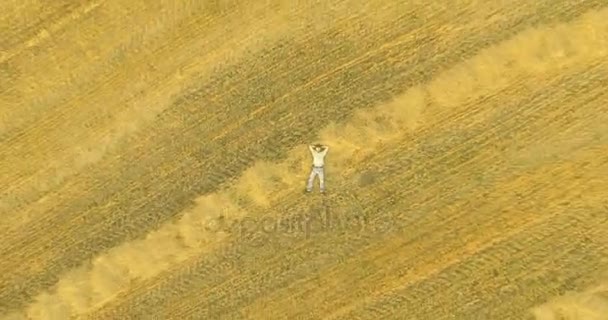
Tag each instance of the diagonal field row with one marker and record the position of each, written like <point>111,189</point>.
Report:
<point>187,237</point>
<point>553,92</point>
<point>439,42</point>
<point>19,33</point>
<point>305,258</point>
<point>179,156</point>
<point>246,193</point>
<point>124,200</point>
<point>515,18</point>
<point>591,304</point>
<point>504,281</point>
<point>146,89</point>
<point>286,261</point>
<point>148,82</point>
<point>332,249</point>
<point>428,200</point>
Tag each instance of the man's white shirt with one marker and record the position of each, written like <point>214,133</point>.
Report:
<point>318,157</point>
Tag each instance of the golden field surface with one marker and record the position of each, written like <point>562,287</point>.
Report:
<point>153,158</point>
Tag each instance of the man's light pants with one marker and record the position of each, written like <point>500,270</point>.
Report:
<point>316,171</point>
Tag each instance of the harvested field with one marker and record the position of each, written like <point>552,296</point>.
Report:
<point>153,158</point>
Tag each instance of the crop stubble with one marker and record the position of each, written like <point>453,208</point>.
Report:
<point>553,92</point>
<point>171,166</point>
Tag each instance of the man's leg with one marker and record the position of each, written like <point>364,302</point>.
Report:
<point>321,174</point>
<point>311,179</point>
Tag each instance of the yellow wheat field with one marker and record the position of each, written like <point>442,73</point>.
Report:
<point>153,159</point>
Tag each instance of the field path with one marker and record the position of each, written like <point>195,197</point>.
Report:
<point>159,173</point>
